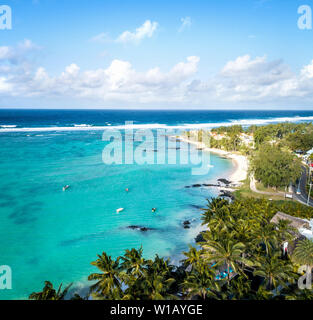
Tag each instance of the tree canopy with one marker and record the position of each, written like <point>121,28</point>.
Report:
<point>275,167</point>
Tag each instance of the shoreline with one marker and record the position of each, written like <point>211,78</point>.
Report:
<point>240,162</point>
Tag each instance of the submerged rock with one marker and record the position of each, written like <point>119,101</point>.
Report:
<point>198,185</point>
<point>226,194</point>
<point>140,228</point>
<point>225,181</point>
<point>199,237</point>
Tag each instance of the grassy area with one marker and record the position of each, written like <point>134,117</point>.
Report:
<point>245,192</point>
<point>261,187</point>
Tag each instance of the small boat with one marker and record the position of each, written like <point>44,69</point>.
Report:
<point>119,210</point>
<point>66,187</point>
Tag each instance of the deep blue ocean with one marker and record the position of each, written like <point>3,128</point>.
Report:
<point>48,234</point>
<point>70,118</point>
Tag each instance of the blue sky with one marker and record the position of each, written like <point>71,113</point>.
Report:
<point>156,54</point>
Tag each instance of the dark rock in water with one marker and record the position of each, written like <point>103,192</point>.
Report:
<point>186,222</point>
<point>143,229</point>
<point>186,226</point>
<point>226,194</point>
<point>133,227</point>
<point>199,237</point>
<point>225,181</point>
<point>198,185</point>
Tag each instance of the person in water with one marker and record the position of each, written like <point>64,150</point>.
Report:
<point>126,189</point>
<point>153,209</point>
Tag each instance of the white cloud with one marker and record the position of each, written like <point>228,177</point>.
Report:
<point>100,38</point>
<point>243,81</point>
<point>145,31</point>
<point>185,23</point>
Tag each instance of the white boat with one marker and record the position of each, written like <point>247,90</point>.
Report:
<point>119,210</point>
<point>66,187</point>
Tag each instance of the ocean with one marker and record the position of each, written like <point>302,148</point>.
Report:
<point>48,234</point>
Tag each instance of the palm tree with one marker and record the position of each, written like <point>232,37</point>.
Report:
<point>49,293</point>
<point>285,231</point>
<point>274,270</point>
<point>225,252</point>
<point>153,282</point>
<point>133,262</point>
<point>303,254</point>
<point>157,287</point>
<point>159,265</point>
<point>201,282</point>
<point>108,284</point>
<point>193,257</point>
<point>213,206</point>
<point>266,235</point>
<point>239,289</point>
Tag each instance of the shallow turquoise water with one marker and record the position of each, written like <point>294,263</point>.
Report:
<point>47,234</point>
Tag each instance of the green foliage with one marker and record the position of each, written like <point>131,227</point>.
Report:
<point>242,241</point>
<point>303,254</point>
<point>278,131</point>
<point>300,141</point>
<point>235,129</point>
<point>135,278</point>
<point>274,167</point>
<point>49,293</point>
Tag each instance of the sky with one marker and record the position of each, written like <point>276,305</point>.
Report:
<point>138,54</point>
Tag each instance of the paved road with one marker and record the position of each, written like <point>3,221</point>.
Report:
<point>303,197</point>
<point>254,189</point>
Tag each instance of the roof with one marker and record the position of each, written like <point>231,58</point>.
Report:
<point>294,222</point>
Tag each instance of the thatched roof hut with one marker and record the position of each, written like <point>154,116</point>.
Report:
<point>294,222</point>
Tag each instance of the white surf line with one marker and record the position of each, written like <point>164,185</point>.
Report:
<point>209,125</point>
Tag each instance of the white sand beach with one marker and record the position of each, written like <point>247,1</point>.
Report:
<point>241,162</point>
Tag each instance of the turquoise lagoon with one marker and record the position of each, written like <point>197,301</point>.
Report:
<point>48,234</point>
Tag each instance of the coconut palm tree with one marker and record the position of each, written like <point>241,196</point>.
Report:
<point>239,289</point>
<point>303,254</point>
<point>266,235</point>
<point>193,257</point>
<point>213,206</point>
<point>133,262</point>
<point>201,282</point>
<point>225,252</point>
<point>154,282</point>
<point>159,265</point>
<point>274,270</point>
<point>49,293</point>
<point>108,285</point>
<point>157,287</point>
